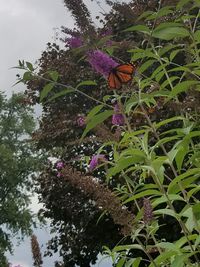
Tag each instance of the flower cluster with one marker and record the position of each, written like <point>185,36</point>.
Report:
<point>101,62</point>
<point>59,167</point>
<point>74,42</point>
<point>96,160</point>
<point>81,121</point>
<point>118,118</point>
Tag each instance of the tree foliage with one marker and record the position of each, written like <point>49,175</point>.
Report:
<point>17,164</point>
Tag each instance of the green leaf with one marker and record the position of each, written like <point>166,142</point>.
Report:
<point>146,65</point>
<point>166,212</point>
<point>62,93</point>
<point>182,87</point>
<point>164,122</point>
<point>29,66</point>
<point>139,28</point>
<point>144,15</point>
<point>27,76</point>
<point>94,111</point>
<point>133,262</point>
<point>196,210</point>
<point>47,88</point>
<point>164,199</point>
<point>168,31</point>
<point>86,83</point>
<point>145,193</point>
<point>127,247</point>
<point>181,3</point>
<point>179,178</point>
<point>97,119</point>
<point>168,246</point>
<point>163,257</point>
<point>124,163</point>
<point>178,261</point>
<point>54,75</point>
<point>160,13</point>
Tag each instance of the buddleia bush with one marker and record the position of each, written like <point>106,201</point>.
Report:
<point>144,170</point>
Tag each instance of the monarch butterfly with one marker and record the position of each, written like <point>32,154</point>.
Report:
<point>120,74</point>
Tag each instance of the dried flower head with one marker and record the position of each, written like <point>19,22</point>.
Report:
<point>101,62</point>
<point>37,257</point>
<point>148,211</point>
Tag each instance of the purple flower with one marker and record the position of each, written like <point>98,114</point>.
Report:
<point>101,62</point>
<point>148,211</point>
<point>107,32</point>
<point>74,42</point>
<point>81,121</point>
<point>59,174</point>
<point>59,165</point>
<point>96,160</point>
<point>118,117</point>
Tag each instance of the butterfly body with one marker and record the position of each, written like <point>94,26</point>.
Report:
<point>121,74</point>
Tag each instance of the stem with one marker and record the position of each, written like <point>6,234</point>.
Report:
<point>75,90</point>
<point>146,252</point>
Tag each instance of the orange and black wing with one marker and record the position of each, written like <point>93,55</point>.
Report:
<point>121,74</point>
<point>113,81</point>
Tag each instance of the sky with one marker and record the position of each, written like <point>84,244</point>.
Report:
<point>25,28</point>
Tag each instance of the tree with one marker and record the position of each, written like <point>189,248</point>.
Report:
<point>17,165</point>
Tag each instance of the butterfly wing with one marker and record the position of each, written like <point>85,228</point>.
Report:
<point>113,81</point>
<point>124,72</point>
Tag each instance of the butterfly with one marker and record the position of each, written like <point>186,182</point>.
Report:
<point>120,75</point>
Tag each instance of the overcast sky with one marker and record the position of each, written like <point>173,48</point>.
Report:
<point>25,28</point>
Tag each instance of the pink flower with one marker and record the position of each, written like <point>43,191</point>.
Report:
<point>59,174</point>
<point>81,121</point>
<point>101,62</point>
<point>59,165</point>
<point>74,42</point>
<point>118,117</point>
<point>96,160</point>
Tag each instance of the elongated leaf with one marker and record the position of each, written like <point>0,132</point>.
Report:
<point>164,199</point>
<point>62,93</point>
<point>84,83</point>
<point>191,172</point>
<point>124,163</point>
<point>164,122</point>
<point>143,194</point>
<point>47,88</point>
<point>138,28</point>
<point>182,87</point>
<point>162,12</point>
<point>168,31</point>
<point>97,119</point>
<point>94,111</point>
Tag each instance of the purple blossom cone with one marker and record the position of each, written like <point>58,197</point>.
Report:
<point>118,117</point>
<point>81,121</point>
<point>74,42</point>
<point>59,165</point>
<point>96,160</point>
<point>148,211</point>
<point>101,62</point>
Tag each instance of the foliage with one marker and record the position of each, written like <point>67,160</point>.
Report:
<point>17,163</point>
<point>150,167</point>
